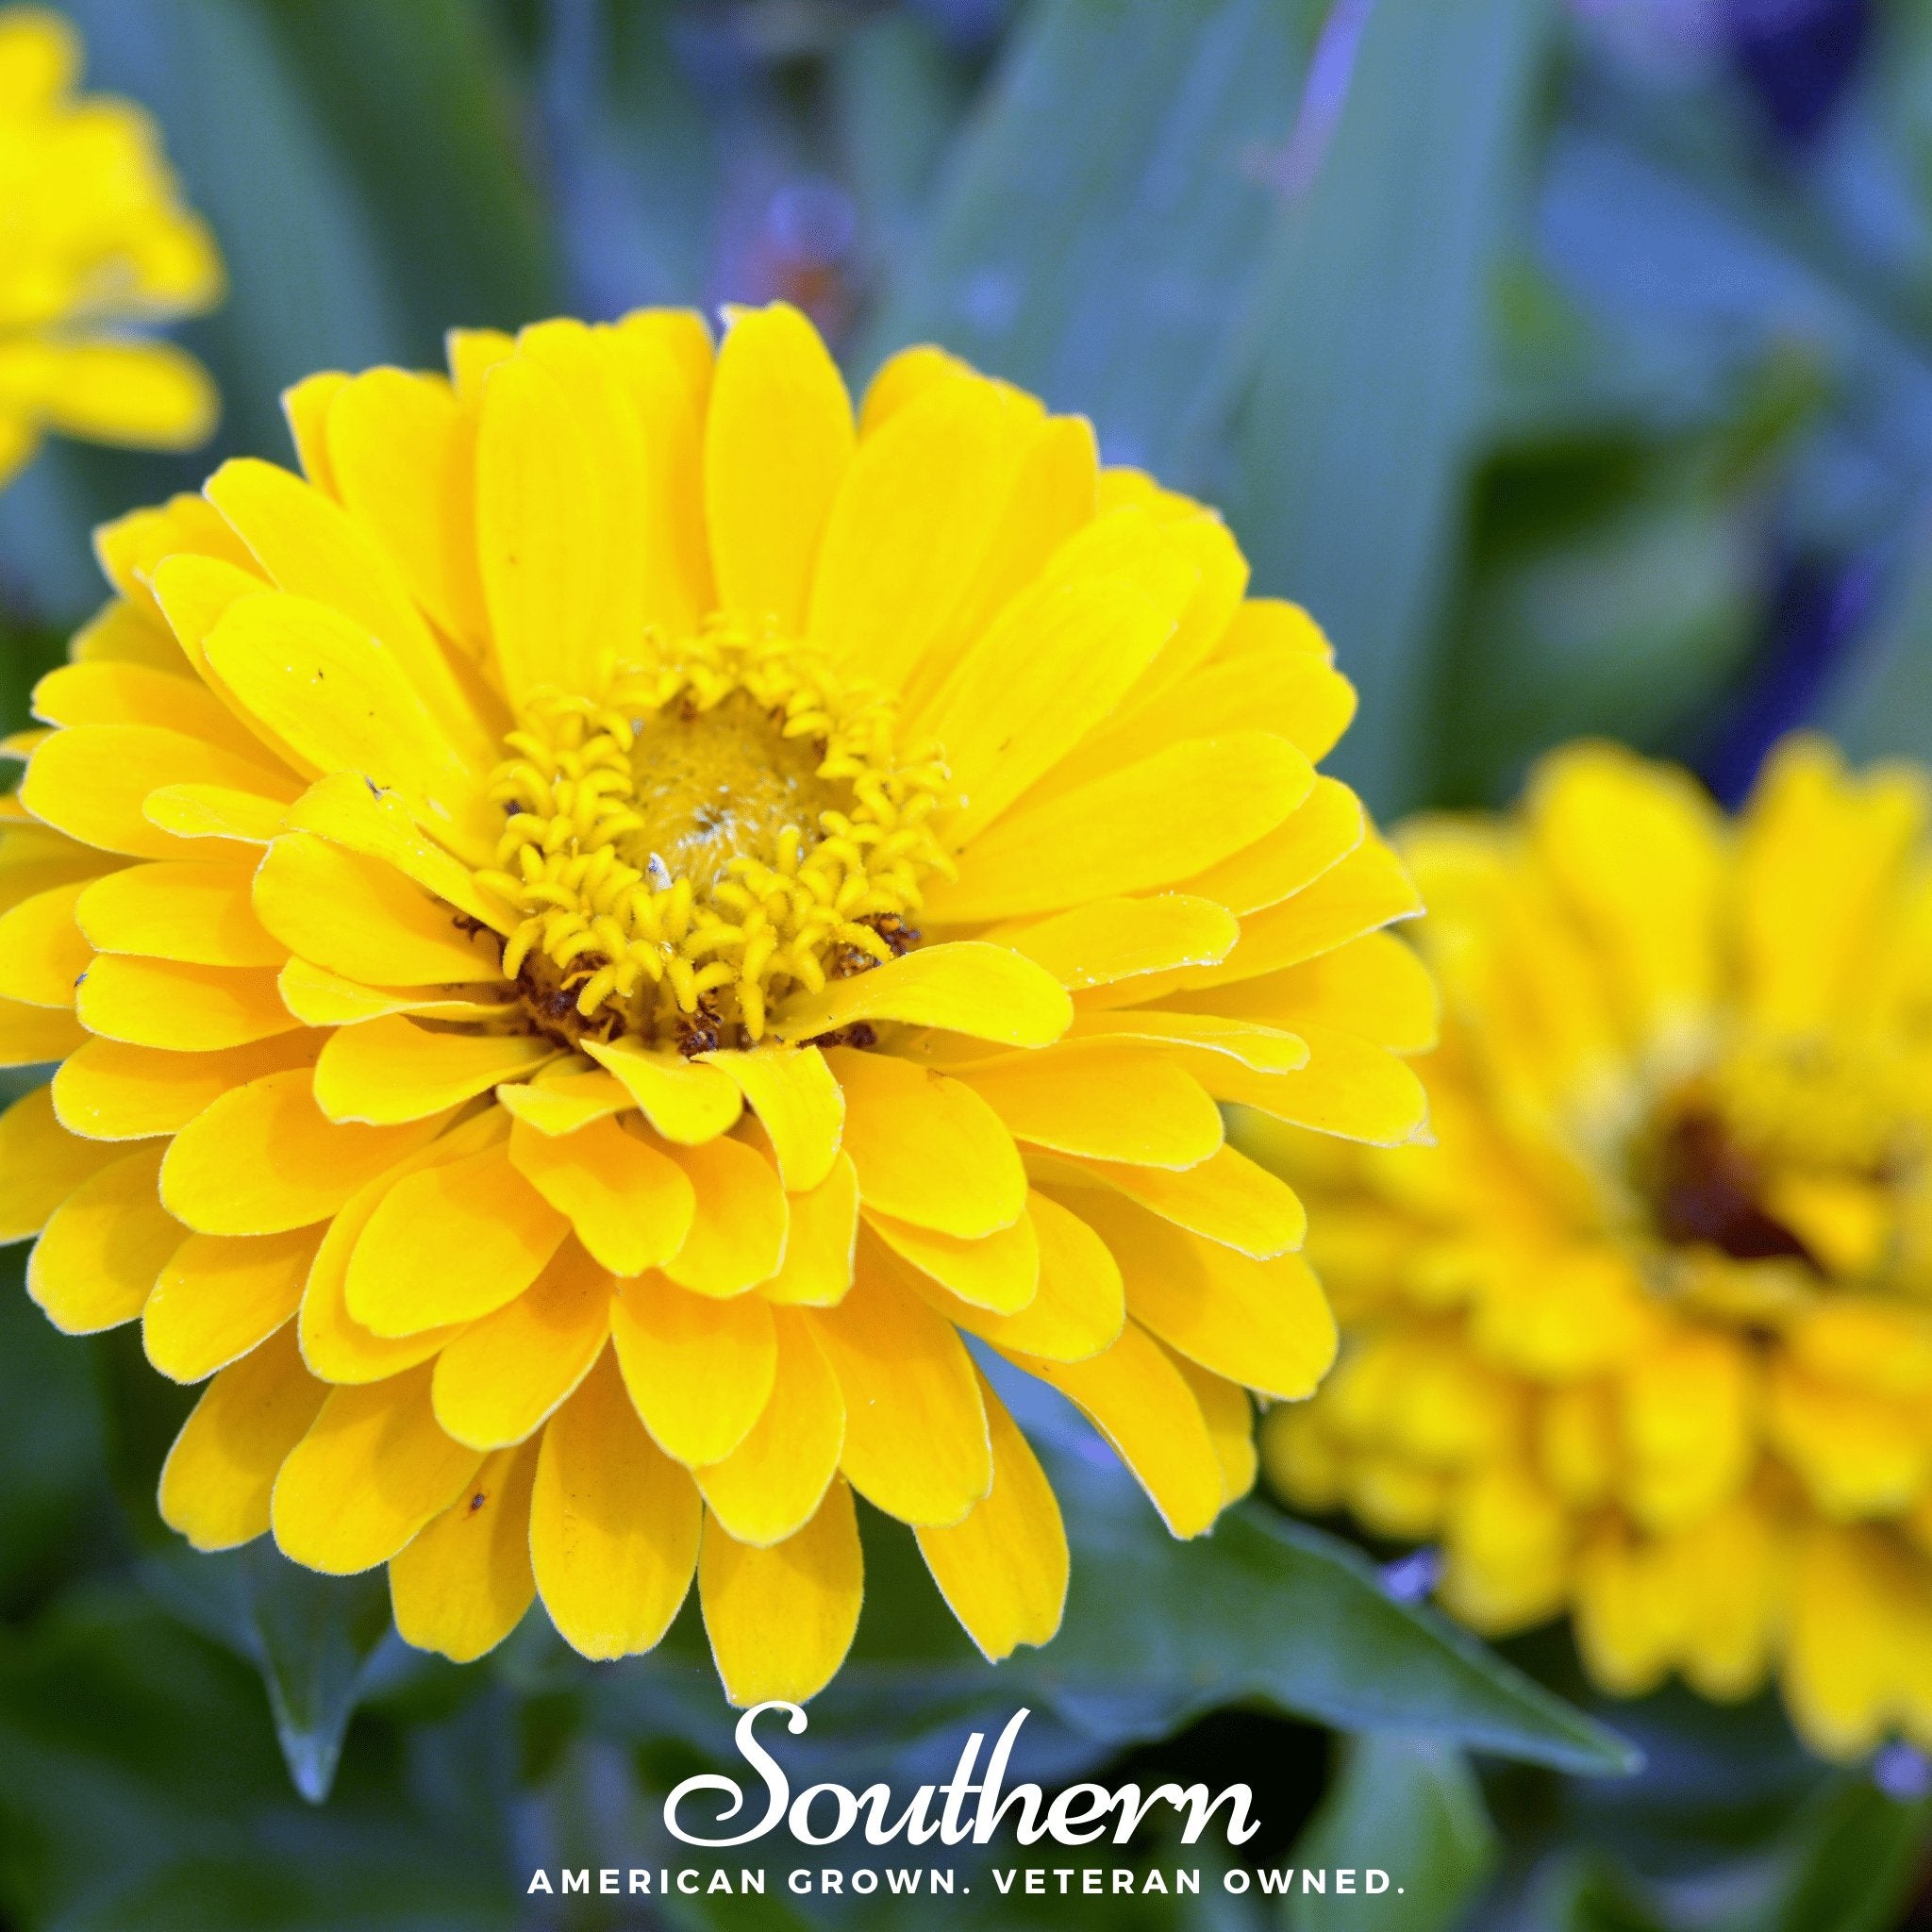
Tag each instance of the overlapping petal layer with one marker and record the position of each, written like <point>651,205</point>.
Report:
<point>1647,1336</point>
<point>610,935</point>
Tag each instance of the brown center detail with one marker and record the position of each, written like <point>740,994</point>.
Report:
<point>1703,1188</point>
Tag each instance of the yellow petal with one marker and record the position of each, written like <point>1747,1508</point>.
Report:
<point>902,376</point>
<point>472,354</point>
<point>685,1102</point>
<point>1113,939</point>
<point>344,810</point>
<point>144,395</point>
<point>359,918</point>
<point>1321,832</point>
<point>929,1150</point>
<point>999,1273</point>
<point>31,1035</point>
<point>393,1070</point>
<point>1369,887</point>
<point>403,455</point>
<point>614,1524</point>
<point>914,517</point>
<point>1230,1419</point>
<point>657,378</point>
<point>41,1164</point>
<point>1375,985</point>
<point>219,1296</point>
<point>781,1620</point>
<point>779,440</point>
<point>451,1243</point>
<point>1840,1640</point>
<point>552,501</point>
<point>41,56</point>
<point>631,1206</point>
<point>462,1585</point>
<point>1113,1103</point>
<point>315,550</point>
<point>1228,1198</point>
<point>1055,663</point>
<point>132,548</point>
<point>1153,823</point>
<point>97,1260</point>
<point>122,693</point>
<point>1818,855</point>
<point>305,408</point>
<point>213,811</point>
<point>499,1380</point>
<point>1350,1087</point>
<point>1272,672</point>
<point>1265,1324</point>
<point>820,1242</point>
<point>1266,1049</point>
<point>189,912</point>
<point>737,1228</point>
<point>334,1344</point>
<point>770,1486</point>
<point>915,1428</point>
<point>324,685</point>
<point>1135,1397</point>
<point>319,998</point>
<point>194,592</point>
<point>1077,1308</point>
<point>183,1008</point>
<point>685,338</point>
<point>986,991</point>
<point>1054,493</point>
<point>798,1102</point>
<point>93,781</point>
<point>699,1370</point>
<point>301,1168</point>
<point>42,951</point>
<point>372,1471</point>
<point>1003,1569</point>
<point>220,1475</point>
<point>562,1102</point>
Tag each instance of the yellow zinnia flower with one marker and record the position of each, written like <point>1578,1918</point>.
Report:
<point>1648,1336</point>
<point>93,237</point>
<point>599,933</point>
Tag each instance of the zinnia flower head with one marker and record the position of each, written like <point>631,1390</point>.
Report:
<point>599,934</point>
<point>93,238</point>
<point>1647,1336</point>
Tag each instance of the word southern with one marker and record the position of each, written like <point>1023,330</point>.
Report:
<point>968,1806</point>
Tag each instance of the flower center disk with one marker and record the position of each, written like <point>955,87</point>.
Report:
<point>723,825</point>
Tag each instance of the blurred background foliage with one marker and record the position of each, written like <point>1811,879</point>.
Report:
<point>1572,361</point>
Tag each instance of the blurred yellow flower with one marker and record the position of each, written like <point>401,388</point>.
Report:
<point>597,936</point>
<point>1648,1336</point>
<point>93,238</point>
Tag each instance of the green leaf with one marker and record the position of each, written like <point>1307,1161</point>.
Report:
<point>140,1787</point>
<point>417,101</point>
<point>1882,704</point>
<point>314,1639</point>
<point>54,1493</point>
<point>1622,619</point>
<point>1105,209</point>
<point>1275,1611</point>
<point>1861,1854</point>
<point>1358,422</point>
<point>1410,1808</point>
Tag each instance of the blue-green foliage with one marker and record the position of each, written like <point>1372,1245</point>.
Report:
<point>1574,367</point>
